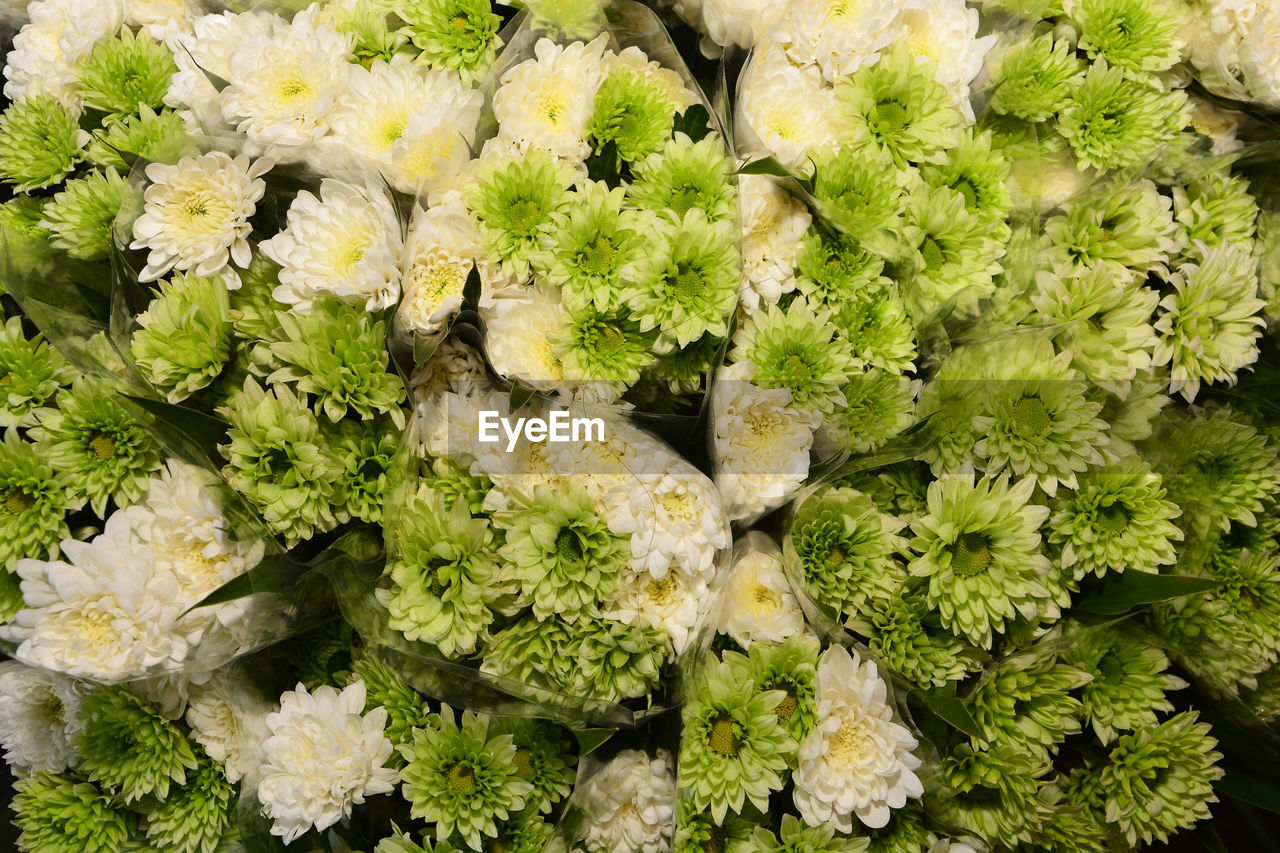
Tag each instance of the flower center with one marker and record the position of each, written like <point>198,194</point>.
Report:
<point>687,284</point>
<point>18,501</point>
<point>763,600</point>
<point>598,256</point>
<point>461,25</point>
<point>201,570</point>
<point>524,216</point>
<point>715,841</point>
<point>971,555</point>
<point>685,199</point>
<point>524,763</point>
<point>1113,519</point>
<point>849,743</point>
<point>724,739</point>
<point>461,777</point>
<point>6,380</point>
<point>790,703</point>
<point>102,445</point>
<point>663,592</point>
<point>795,371</point>
<point>890,118</point>
<point>568,548</point>
<point>292,86</point>
<point>932,253</point>
<point>350,252</point>
<point>393,128</point>
<point>1030,418</point>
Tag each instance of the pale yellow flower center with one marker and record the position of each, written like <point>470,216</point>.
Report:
<point>424,154</point>
<point>200,572</point>
<point>349,252</point>
<point>203,207</point>
<point>291,86</point>
<point>432,280</point>
<point>843,11</point>
<point>762,601</point>
<point>679,505</point>
<point>663,592</point>
<point>849,743</point>
<point>552,103</point>
<point>95,627</point>
<point>782,124</point>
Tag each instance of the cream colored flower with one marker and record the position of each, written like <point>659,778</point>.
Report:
<point>838,36</point>
<point>47,49</point>
<point>161,19</point>
<point>228,718</point>
<point>1220,125</point>
<point>741,23</point>
<point>856,760</point>
<point>196,215</point>
<point>674,518</point>
<point>629,806</point>
<point>519,330</point>
<point>442,248</point>
<point>38,718</point>
<point>324,756</point>
<point>788,110</point>
<point>773,223</point>
<point>205,51</point>
<point>546,101</point>
<point>944,35</point>
<point>673,603</point>
<point>1260,54</point>
<point>758,601</point>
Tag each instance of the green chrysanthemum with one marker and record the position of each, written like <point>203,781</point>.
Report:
<point>1264,699</point>
<point>980,174</point>
<point>363,454</point>
<point>632,113</point>
<point>61,814</point>
<point>194,817</point>
<point>1025,704</point>
<point>253,309</point>
<point>861,195</point>
<point>34,509</point>
<point>980,550</point>
<point>685,368</point>
<point>40,142</point>
<point>1269,263</point>
<point>684,176</point>
<point>536,652</point>
<point>443,574</point>
<point>591,248</point>
<point>954,255</point>
<point>100,450</point>
<point>794,837</point>
<point>543,758</point>
<point>897,106</point>
<point>904,633</point>
<point>697,832</point>
<point>878,406</point>
<point>129,748</point>
<point>11,600</point>
<point>1034,78</point>
<point>370,26</point>
<point>278,460</point>
<point>990,793</point>
<point>1113,122</point>
<point>20,220</point>
<point>848,549</point>
<point>121,73</point>
<point>1159,779</point>
<point>526,832</point>
<point>185,340</point>
<point>1078,818</point>
<point>562,553</point>
<point>157,137</point>
<point>322,655</point>
<point>790,666</point>
<point>463,778</point>
<point>733,746</point>
<point>83,214</point>
<point>406,708</point>
<point>1121,225</point>
<point>1116,519</point>
<point>836,270</point>
<point>460,35</point>
<point>1138,36</point>
<point>31,372</point>
<point>515,202</point>
<point>905,833</point>
<point>1127,683</point>
<point>686,284</point>
<point>605,348</point>
<point>800,349</point>
<point>338,353</point>
<point>1215,209</point>
<point>453,483</point>
<point>1208,639</point>
<point>617,661</point>
<point>402,842</point>
<point>900,488</point>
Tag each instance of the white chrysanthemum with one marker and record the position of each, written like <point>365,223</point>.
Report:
<point>944,35</point>
<point>161,19</point>
<point>228,719</point>
<point>607,469</point>
<point>102,613</point>
<point>1260,54</point>
<point>38,718</point>
<point>47,49</point>
<point>856,760</point>
<point>1048,181</point>
<point>442,248</point>
<point>324,756</point>
<point>672,603</point>
<point>838,36</point>
<point>773,223</point>
<point>673,518</point>
<point>518,332</point>
<point>1220,125</point>
<point>283,85</point>
<point>634,60</point>
<point>1210,325</point>
<point>758,601</point>
<point>741,23</point>
<point>629,807</point>
<point>196,215</point>
<point>346,242</point>
<point>762,442</point>
<point>205,51</point>
<point>547,101</point>
<point>788,109</point>
<point>410,123</point>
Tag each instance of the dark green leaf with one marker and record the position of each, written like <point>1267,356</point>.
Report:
<point>694,123</point>
<point>603,164</point>
<point>949,709</point>
<point>276,573</point>
<point>471,290</point>
<point>1120,593</point>
<point>589,740</point>
<point>765,166</point>
<point>521,394</point>
<point>1251,788</point>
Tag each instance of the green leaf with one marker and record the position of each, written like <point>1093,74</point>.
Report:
<point>949,709</point>
<point>765,166</point>
<point>1120,593</point>
<point>471,290</point>
<point>603,164</point>
<point>276,573</point>
<point>521,394</point>
<point>1253,789</point>
<point>589,740</point>
<point>695,122</point>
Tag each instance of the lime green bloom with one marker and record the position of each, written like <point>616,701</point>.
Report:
<point>158,137</point>
<point>194,817</point>
<point>794,837</point>
<point>684,369</point>
<point>791,667</point>
<point>10,595</point>
<point>544,758</point>
<point>598,347</point>
<point>338,353</point>
<point>82,216</point>
<point>120,74</point>
<point>402,842</point>
<point>459,35</point>
<point>860,195</point>
<point>1078,817</point>
<point>1215,209</point>
<point>1114,122</point>
<point>906,634</point>
<point>1117,225</point>
<point>567,19</point>
<point>62,814</point>
<point>526,832</point>
<point>1160,778</point>
<point>100,450</point>
<point>562,553</point>
<point>1034,78</point>
<point>733,747</point>
<point>839,270</point>
<point>1207,638</point>
<point>515,202</point>
<point>31,372</point>
<point>322,655</point>
<point>40,143</point>
<point>444,574</point>
<point>698,832</point>
<point>1117,518</point>
<point>878,406</point>
<point>1138,36</point>
<point>686,175</point>
<point>453,483</point>
<point>386,688</point>
<point>462,778</point>
<point>1026,703</point>
<point>848,549</point>
<point>185,340</point>
<point>33,515</point>
<point>369,23</point>
<point>591,247</point>
<point>898,107</point>
<point>632,113</point>
<point>954,255</point>
<point>798,348</point>
<point>905,833</point>
<point>278,460</point>
<point>979,548</point>
<point>686,283</point>
<point>1268,234</point>
<point>128,747</point>
<point>363,452</point>
<point>253,308</point>
<point>980,174</point>
<point>990,793</point>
